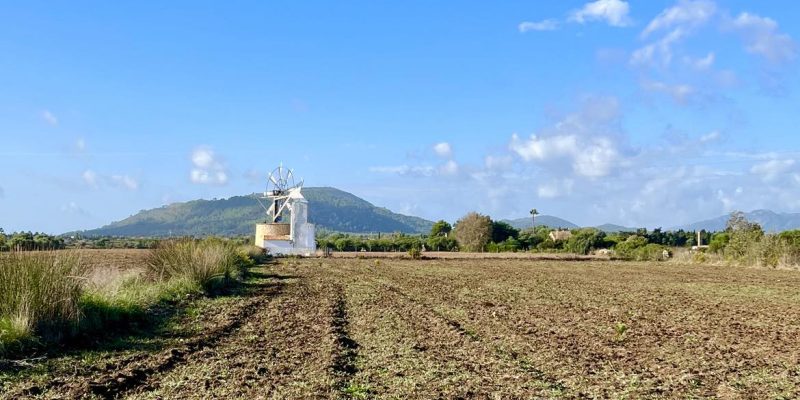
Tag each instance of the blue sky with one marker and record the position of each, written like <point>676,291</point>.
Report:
<point>641,113</point>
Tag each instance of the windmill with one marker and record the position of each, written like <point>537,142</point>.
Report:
<point>286,229</point>
<point>280,187</point>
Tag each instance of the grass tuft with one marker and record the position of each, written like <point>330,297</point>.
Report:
<point>211,263</point>
<point>39,292</point>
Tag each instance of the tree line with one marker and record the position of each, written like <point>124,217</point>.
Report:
<point>479,233</point>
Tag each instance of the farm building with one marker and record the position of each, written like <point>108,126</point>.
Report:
<point>560,235</point>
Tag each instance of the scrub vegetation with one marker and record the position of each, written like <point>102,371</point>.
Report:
<point>50,296</point>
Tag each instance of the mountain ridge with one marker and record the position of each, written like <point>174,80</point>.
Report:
<point>769,220</point>
<point>329,208</point>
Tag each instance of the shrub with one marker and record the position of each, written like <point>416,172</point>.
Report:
<point>415,253</point>
<point>718,242</point>
<point>585,240</point>
<point>636,248</point>
<point>39,292</point>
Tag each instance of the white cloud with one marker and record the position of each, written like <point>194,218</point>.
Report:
<point>555,189</point>
<point>80,145</point>
<point>770,170</point>
<point>443,149</point>
<point>448,168</point>
<point>684,14</point>
<point>125,181</point>
<point>424,170</point>
<point>679,92</point>
<point>614,12</point>
<point>543,25</point>
<point>50,118</point>
<point>95,180</point>
<point>583,142</point>
<point>90,178</point>
<point>494,163</point>
<point>73,208</point>
<point>761,37</point>
<point>710,137</point>
<point>589,157</point>
<point>680,21</point>
<point>207,169</point>
<point>659,51</point>
<point>700,64</point>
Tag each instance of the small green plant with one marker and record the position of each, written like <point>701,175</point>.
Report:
<point>699,257</point>
<point>356,391</point>
<point>415,253</point>
<point>620,329</point>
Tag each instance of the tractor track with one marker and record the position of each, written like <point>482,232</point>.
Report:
<point>127,374</point>
<point>343,364</point>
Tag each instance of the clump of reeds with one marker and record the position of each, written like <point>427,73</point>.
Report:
<point>208,262</point>
<point>39,292</point>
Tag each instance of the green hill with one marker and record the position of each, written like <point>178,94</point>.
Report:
<point>328,208</point>
<point>541,220</point>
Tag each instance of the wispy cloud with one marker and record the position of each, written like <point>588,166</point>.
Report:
<point>95,181</point>
<point>684,15</point>
<point>89,178</point>
<point>125,181</point>
<point>73,208</point>
<point>543,25</point>
<point>49,117</point>
<point>680,92</point>
<point>701,63</point>
<point>613,12</point>
<point>761,37</point>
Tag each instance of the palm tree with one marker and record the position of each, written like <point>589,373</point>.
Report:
<point>534,213</point>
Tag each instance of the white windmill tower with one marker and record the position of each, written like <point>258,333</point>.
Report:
<point>286,229</point>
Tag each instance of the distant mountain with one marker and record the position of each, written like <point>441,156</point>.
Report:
<point>328,208</point>
<point>769,220</point>
<point>611,228</point>
<point>541,220</point>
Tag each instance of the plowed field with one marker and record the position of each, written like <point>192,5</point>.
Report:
<point>360,328</point>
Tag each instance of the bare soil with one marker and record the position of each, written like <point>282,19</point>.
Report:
<point>471,328</point>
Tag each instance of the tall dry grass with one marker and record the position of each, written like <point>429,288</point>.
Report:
<point>208,262</point>
<point>39,291</point>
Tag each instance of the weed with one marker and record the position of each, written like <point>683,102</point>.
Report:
<point>620,329</point>
<point>357,391</point>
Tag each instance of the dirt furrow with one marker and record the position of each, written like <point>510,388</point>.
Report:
<point>121,375</point>
<point>284,351</point>
<point>410,351</point>
<point>343,365</point>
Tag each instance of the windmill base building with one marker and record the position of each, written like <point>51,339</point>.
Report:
<point>295,237</point>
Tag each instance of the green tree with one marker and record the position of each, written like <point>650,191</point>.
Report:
<point>534,213</point>
<point>441,228</point>
<point>503,230</point>
<point>473,231</point>
<point>585,240</point>
<point>719,241</point>
<point>743,235</point>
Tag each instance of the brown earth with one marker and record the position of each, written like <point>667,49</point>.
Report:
<point>380,328</point>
